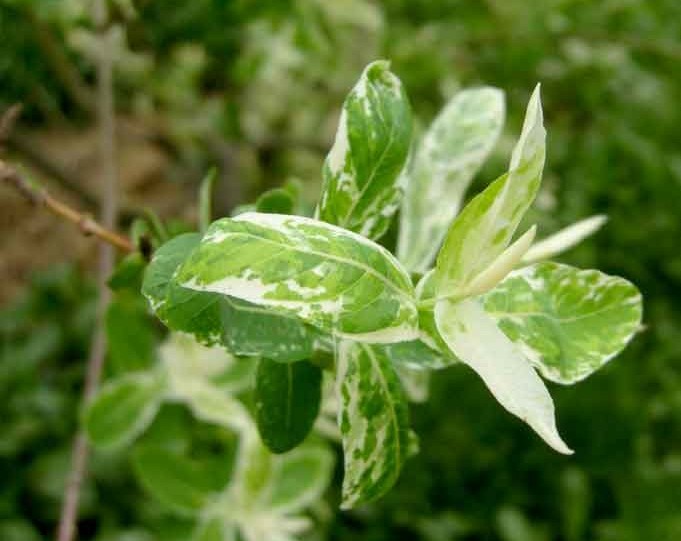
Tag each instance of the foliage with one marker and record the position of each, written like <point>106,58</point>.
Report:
<point>610,88</point>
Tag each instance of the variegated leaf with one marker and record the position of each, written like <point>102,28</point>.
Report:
<point>332,278</point>
<point>485,226</point>
<point>451,152</point>
<point>415,382</point>
<point>564,239</point>
<point>373,418</point>
<point>360,176</point>
<point>568,322</point>
<point>242,327</point>
<point>475,338</point>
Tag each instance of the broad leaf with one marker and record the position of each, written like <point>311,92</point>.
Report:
<point>287,397</point>
<point>568,322</point>
<point>242,327</point>
<point>451,152</point>
<point>564,239</point>
<point>373,418</point>
<point>475,339</point>
<point>360,176</point>
<point>182,484</point>
<point>486,225</point>
<point>123,409</point>
<point>327,276</point>
<point>300,479</point>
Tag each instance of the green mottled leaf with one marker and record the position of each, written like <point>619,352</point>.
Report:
<point>242,327</point>
<point>123,409</point>
<point>564,239</point>
<point>474,338</point>
<point>373,418</point>
<point>129,334</point>
<point>484,228</point>
<point>327,276</point>
<point>287,397</point>
<point>300,479</point>
<point>415,382</point>
<point>360,176</point>
<point>181,484</point>
<point>450,154</point>
<point>568,322</point>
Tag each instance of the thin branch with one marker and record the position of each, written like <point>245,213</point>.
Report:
<point>109,212</point>
<point>41,197</point>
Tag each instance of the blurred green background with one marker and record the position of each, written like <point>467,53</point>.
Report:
<point>255,88</point>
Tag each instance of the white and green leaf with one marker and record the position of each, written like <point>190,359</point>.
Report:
<point>450,154</point>
<point>327,276</point>
<point>486,225</point>
<point>360,188</point>
<point>373,418</point>
<point>568,322</point>
<point>474,338</point>
<point>287,398</point>
<point>564,239</point>
<point>123,409</point>
<point>242,327</point>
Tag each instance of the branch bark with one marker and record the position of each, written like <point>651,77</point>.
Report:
<point>109,211</point>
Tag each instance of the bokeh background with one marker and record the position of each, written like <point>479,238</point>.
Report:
<point>255,89</point>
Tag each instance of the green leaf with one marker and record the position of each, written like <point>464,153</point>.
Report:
<point>276,201</point>
<point>360,176</point>
<point>450,154</point>
<point>415,382</point>
<point>287,397</point>
<point>214,529</point>
<point>300,479</point>
<point>123,409</point>
<point>327,276</point>
<point>206,199</point>
<point>242,327</point>
<point>129,333</point>
<point>486,225</point>
<point>564,239</point>
<point>568,322</point>
<point>128,273</point>
<point>181,484</point>
<point>374,422</point>
<point>474,338</point>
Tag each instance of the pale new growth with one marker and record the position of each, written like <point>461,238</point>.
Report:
<point>564,239</point>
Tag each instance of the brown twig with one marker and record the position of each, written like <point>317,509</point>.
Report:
<point>41,197</point>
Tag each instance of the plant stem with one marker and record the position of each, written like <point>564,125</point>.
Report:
<point>109,211</point>
<point>39,196</point>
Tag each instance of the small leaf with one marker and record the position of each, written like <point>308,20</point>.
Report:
<point>452,150</point>
<point>564,239</point>
<point>324,275</point>
<point>373,418</point>
<point>568,322</point>
<point>360,188</point>
<point>276,201</point>
<point>287,397</point>
<point>128,273</point>
<point>123,409</point>
<point>179,483</point>
<point>415,382</point>
<point>486,225</point>
<point>129,333</point>
<point>300,479</point>
<point>206,199</point>
<point>477,341</point>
